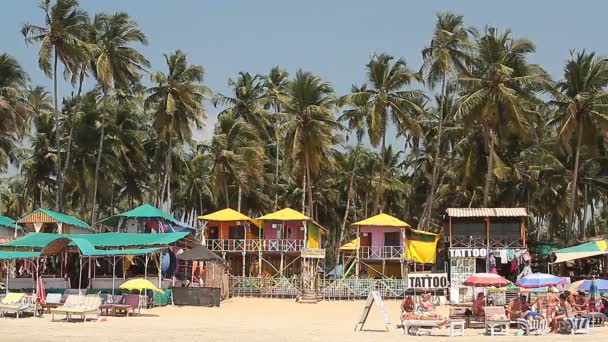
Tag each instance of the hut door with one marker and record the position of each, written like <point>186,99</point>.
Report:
<point>366,239</point>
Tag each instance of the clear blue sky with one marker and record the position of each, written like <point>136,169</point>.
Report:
<point>331,38</point>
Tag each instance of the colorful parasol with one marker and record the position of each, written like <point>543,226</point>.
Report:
<point>486,279</point>
<point>535,280</point>
<point>587,285</point>
<point>140,284</point>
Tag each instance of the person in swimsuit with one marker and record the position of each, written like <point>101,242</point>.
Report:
<point>581,303</point>
<point>478,304</point>
<point>517,307</point>
<point>407,306</point>
<point>564,310</point>
<point>427,312</point>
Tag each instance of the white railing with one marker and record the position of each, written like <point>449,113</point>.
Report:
<point>381,252</point>
<point>255,245</point>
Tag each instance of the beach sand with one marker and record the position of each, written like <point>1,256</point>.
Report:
<point>245,319</point>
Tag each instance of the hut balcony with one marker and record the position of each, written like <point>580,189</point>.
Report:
<point>381,252</point>
<point>256,245</point>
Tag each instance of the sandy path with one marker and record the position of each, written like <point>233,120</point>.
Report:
<point>242,319</point>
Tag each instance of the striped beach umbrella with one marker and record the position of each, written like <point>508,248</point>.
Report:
<point>536,280</point>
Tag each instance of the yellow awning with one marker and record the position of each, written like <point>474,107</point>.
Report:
<point>225,215</point>
<point>382,220</point>
<point>351,246</point>
<point>286,214</point>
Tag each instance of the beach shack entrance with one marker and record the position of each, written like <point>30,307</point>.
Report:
<point>484,240</point>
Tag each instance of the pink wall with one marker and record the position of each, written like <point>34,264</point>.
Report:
<point>296,232</point>
<point>378,234</point>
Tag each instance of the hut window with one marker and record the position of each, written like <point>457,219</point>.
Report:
<point>392,239</point>
<point>236,233</point>
<point>469,227</point>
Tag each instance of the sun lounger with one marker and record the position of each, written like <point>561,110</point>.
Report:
<point>575,325</point>
<point>496,321</point>
<point>110,302</point>
<point>412,326</point>
<point>533,326</point>
<point>15,303</point>
<point>130,304</point>
<point>52,300</point>
<point>79,306</point>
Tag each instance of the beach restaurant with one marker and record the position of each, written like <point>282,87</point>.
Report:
<point>481,240</point>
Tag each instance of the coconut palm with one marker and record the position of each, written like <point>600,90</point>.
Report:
<point>237,154</point>
<point>178,100</point>
<point>310,128</point>
<point>116,65</point>
<point>497,91</point>
<point>387,99</point>
<point>13,111</point>
<point>60,41</point>
<point>444,59</point>
<point>275,85</point>
<point>582,110</point>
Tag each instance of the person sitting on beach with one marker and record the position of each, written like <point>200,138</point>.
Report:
<point>407,306</point>
<point>533,311</point>
<point>552,301</point>
<point>581,303</point>
<point>517,307</point>
<point>478,304</point>
<point>564,310</point>
<point>427,312</point>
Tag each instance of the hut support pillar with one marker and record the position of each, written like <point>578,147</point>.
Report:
<point>401,263</point>
<point>146,266</point>
<point>383,267</point>
<point>244,262</point>
<point>80,272</point>
<point>160,274</point>
<point>260,264</point>
<point>113,274</point>
<point>281,264</point>
<point>89,274</point>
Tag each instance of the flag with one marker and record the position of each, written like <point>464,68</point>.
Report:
<point>421,246</point>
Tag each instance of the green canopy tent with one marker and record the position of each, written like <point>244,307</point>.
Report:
<point>584,250</point>
<point>145,211</point>
<point>8,256</point>
<point>7,222</point>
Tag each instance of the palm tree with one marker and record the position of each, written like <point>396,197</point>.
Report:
<point>387,99</point>
<point>178,99</point>
<point>116,66</point>
<point>246,102</point>
<point>496,91</point>
<point>310,127</point>
<point>445,58</point>
<point>60,40</point>
<point>582,107</point>
<point>275,85</point>
<point>13,111</point>
<point>237,154</point>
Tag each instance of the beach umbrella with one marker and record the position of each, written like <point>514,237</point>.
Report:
<point>486,279</point>
<point>573,287</point>
<point>600,285</point>
<point>140,284</point>
<point>40,291</point>
<point>535,280</point>
<point>594,290</point>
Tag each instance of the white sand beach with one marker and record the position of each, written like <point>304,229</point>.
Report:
<point>244,319</point>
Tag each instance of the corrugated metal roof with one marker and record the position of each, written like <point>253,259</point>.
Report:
<point>487,212</point>
<point>42,215</point>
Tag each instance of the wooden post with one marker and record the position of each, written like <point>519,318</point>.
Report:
<point>260,263</point>
<point>282,263</point>
<point>523,231</point>
<point>244,261</point>
<point>383,267</point>
<point>89,274</point>
<point>488,243</point>
<point>450,229</point>
<point>113,274</point>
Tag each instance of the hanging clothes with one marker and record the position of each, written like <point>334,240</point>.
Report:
<point>504,256</point>
<point>511,254</point>
<point>527,270</point>
<point>513,267</point>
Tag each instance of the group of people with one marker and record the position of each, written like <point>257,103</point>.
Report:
<point>424,311</point>
<point>554,305</point>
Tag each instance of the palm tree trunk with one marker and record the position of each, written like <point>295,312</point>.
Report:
<point>240,198</point>
<point>486,188</point>
<point>428,210</point>
<point>68,152</point>
<point>276,174</point>
<point>581,227</point>
<point>309,186</point>
<point>377,206</point>
<point>59,194</point>
<point>349,195</point>
<point>98,161</point>
<point>226,191</point>
<point>579,139</point>
<point>303,191</point>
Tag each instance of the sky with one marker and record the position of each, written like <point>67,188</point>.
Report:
<point>334,39</point>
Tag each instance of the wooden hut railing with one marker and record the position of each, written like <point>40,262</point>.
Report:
<point>482,242</point>
<point>381,252</point>
<point>255,245</point>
